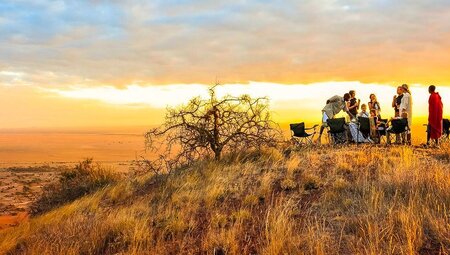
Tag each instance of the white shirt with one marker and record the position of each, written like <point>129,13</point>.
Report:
<point>405,103</point>
<point>406,106</point>
<point>363,114</point>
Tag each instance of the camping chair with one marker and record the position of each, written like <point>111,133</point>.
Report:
<point>445,130</point>
<point>364,126</point>
<point>337,131</point>
<point>377,129</point>
<point>299,134</point>
<point>382,130</point>
<point>399,127</point>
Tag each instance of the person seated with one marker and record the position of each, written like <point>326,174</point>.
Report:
<point>364,112</point>
<point>399,138</point>
<point>403,116</point>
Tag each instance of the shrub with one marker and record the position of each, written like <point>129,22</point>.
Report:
<point>83,179</point>
<point>211,127</point>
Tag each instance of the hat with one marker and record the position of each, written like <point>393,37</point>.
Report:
<point>405,87</point>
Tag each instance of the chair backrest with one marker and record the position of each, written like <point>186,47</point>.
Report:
<point>399,125</point>
<point>336,125</point>
<point>382,127</point>
<point>446,126</point>
<point>364,125</point>
<point>298,129</point>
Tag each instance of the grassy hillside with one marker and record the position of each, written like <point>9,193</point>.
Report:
<point>363,200</point>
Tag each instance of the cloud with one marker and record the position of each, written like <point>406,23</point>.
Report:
<point>8,78</point>
<point>114,43</point>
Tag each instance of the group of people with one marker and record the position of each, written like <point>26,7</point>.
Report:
<point>401,103</point>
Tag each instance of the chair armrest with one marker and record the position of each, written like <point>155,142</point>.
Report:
<point>315,126</point>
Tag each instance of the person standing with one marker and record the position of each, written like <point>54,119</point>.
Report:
<point>406,106</point>
<point>397,101</point>
<point>374,105</point>
<point>396,105</point>
<point>353,104</point>
<point>435,109</point>
<point>334,105</point>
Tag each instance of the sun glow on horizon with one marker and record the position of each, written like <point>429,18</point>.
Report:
<point>288,102</point>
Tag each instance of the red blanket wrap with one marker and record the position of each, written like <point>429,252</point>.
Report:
<point>435,115</point>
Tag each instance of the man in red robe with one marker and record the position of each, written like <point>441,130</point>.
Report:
<point>435,109</point>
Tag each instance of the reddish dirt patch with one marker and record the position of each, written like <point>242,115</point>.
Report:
<point>18,189</point>
<point>7,221</point>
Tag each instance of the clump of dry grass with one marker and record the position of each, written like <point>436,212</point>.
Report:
<point>352,200</point>
<point>85,178</point>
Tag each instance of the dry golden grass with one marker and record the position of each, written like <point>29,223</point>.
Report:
<point>350,200</point>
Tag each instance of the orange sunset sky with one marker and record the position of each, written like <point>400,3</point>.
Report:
<point>71,64</point>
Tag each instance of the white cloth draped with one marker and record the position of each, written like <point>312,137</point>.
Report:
<point>356,135</point>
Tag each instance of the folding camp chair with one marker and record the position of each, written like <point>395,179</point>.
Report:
<point>299,134</point>
<point>399,127</point>
<point>337,131</point>
<point>445,130</point>
<point>364,126</point>
<point>382,130</point>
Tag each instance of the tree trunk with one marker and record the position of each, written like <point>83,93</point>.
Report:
<point>218,150</point>
<point>217,154</point>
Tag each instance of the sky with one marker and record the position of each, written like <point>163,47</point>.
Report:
<point>120,63</point>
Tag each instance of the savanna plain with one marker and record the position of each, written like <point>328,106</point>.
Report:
<point>356,199</point>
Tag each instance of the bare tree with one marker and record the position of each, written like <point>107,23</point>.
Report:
<point>208,127</point>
